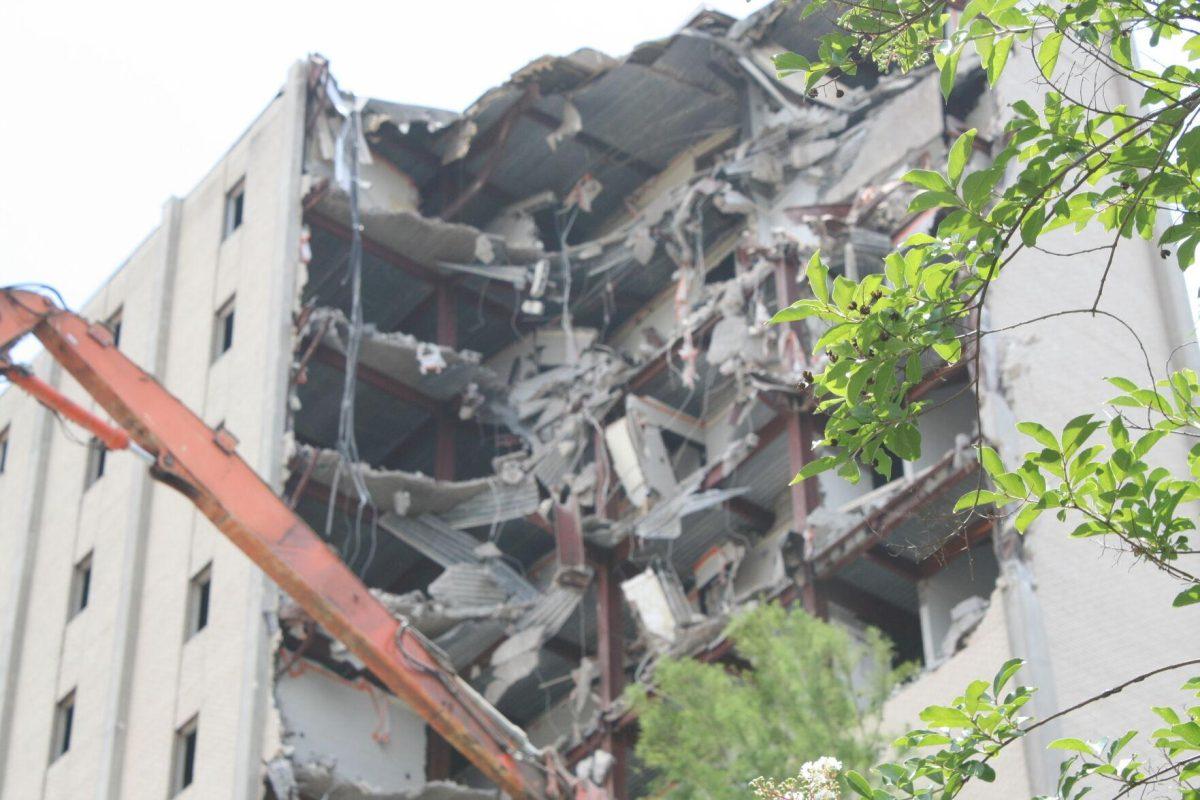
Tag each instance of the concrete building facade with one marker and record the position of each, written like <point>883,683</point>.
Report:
<point>572,432</point>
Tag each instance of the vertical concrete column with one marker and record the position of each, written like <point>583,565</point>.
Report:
<point>133,556</point>
<point>19,576</point>
<point>256,686</point>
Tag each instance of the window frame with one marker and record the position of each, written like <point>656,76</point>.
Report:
<point>63,727</point>
<point>199,602</point>
<point>234,214</point>
<point>114,325</point>
<point>97,461</point>
<point>81,585</point>
<point>224,328</point>
<point>183,755</point>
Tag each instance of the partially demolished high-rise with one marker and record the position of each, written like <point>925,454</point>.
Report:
<point>568,446</point>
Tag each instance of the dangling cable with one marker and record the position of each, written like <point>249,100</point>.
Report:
<point>346,174</point>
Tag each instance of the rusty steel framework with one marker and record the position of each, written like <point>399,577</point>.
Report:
<point>202,464</point>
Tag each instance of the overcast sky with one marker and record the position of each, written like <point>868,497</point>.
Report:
<point>112,107</point>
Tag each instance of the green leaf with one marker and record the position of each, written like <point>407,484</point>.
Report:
<point>1007,670</point>
<point>945,717</point>
<point>1039,433</point>
<point>1188,596</point>
<point>1168,715</point>
<point>1078,745</point>
<point>1026,516</point>
<point>790,63</point>
<point>798,310</point>
<point>949,351</point>
<point>813,467</point>
<point>947,63</point>
<point>905,441</point>
<point>977,186</point>
<point>1076,433</point>
<point>991,461</point>
<point>983,771</point>
<point>960,154</point>
<point>928,179</point>
<point>818,277</point>
<point>1047,54</point>
<point>859,784</point>
<point>1031,226</point>
<point>979,497</point>
<point>927,200</point>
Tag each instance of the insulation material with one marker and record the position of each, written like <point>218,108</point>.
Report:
<point>572,124</point>
<point>761,570</point>
<point>716,562</point>
<point>623,451</point>
<point>659,604</point>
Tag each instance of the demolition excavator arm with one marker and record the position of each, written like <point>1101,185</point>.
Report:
<point>203,464</point>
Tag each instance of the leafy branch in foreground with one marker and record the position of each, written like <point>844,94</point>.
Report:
<point>970,732</point>
<point>1077,160</point>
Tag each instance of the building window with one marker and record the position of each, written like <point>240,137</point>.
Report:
<point>64,721</point>
<point>3,448</point>
<point>81,585</point>
<point>235,204</point>
<point>184,764</point>
<point>96,457</point>
<point>199,590</point>
<point>114,327</point>
<point>223,329</point>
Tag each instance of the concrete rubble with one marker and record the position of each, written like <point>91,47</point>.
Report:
<point>575,429</point>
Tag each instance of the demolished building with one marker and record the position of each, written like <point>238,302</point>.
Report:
<point>514,363</point>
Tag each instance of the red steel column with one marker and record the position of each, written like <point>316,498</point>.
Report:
<point>447,336</point>
<point>610,653</point>
<point>800,435</point>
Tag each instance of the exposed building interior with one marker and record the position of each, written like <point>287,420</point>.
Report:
<point>572,429</point>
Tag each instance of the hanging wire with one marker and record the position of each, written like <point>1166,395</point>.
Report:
<point>347,442</point>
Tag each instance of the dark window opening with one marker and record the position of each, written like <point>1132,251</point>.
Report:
<point>81,585</point>
<point>223,329</point>
<point>235,204</point>
<point>64,721</point>
<point>199,591</point>
<point>894,471</point>
<point>724,271</point>
<point>114,327</point>
<point>3,448</point>
<point>96,461</point>
<point>185,756</point>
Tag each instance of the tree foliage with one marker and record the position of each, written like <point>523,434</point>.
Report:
<point>811,690</point>
<point>1071,161</point>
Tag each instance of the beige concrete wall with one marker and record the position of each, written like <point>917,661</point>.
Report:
<point>1087,616</point>
<point>136,679</point>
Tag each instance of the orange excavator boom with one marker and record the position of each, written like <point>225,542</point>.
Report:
<point>203,464</point>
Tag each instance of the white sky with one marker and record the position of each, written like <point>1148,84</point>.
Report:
<point>112,107</point>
